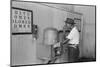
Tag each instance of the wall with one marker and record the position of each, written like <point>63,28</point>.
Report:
<point>27,51</point>
<point>61,6</point>
<point>22,47</point>
<point>88,29</point>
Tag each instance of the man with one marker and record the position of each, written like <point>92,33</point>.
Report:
<point>72,40</point>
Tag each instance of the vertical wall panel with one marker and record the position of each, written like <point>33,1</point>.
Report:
<point>88,30</point>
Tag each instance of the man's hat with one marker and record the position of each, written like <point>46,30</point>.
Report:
<point>69,21</point>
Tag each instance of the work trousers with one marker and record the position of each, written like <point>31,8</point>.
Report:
<point>73,54</point>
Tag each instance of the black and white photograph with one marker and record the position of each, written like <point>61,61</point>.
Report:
<point>44,33</point>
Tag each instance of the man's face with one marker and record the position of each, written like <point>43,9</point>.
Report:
<point>68,25</point>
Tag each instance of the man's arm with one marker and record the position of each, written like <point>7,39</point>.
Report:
<point>66,41</point>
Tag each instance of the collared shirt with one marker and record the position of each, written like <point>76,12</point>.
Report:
<point>73,36</point>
